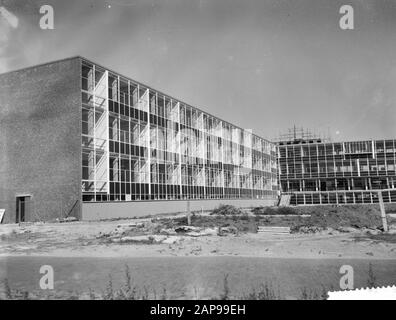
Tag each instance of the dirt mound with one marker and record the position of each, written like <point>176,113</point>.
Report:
<point>313,219</point>
<point>363,216</point>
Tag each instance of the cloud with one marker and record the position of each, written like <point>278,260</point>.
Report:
<point>8,21</point>
<point>10,18</point>
<point>5,30</point>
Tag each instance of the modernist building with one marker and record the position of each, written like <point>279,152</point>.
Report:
<point>312,171</point>
<point>79,139</point>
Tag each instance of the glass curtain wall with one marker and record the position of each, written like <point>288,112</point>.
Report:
<point>337,171</point>
<point>140,144</point>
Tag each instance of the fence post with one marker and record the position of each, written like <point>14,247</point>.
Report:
<point>383,213</point>
<point>188,213</point>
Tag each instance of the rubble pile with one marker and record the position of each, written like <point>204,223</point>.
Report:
<point>149,232</point>
<point>339,230</point>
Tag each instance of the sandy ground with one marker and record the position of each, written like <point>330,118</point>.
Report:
<point>80,239</point>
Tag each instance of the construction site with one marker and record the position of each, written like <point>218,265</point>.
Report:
<point>110,147</point>
<point>181,257</point>
<point>100,166</point>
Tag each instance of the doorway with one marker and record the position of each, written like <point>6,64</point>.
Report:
<point>22,208</point>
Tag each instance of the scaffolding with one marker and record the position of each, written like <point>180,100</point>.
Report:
<point>297,135</point>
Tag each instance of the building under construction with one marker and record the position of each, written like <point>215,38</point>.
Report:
<point>314,170</point>
<point>79,139</point>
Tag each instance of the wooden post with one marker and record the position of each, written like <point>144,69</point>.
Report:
<point>188,213</point>
<point>2,213</point>
<point>383,213</point>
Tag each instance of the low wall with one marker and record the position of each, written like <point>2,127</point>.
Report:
<point>128,209</point>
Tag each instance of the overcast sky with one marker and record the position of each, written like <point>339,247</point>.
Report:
<point>262,65</point>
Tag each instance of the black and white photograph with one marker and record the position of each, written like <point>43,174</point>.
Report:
<point>216,151</point>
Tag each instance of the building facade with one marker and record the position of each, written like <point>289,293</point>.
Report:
<point>141,144</point>
<point>40,142</point>
<point>316,172</point>
<point>80,138</point>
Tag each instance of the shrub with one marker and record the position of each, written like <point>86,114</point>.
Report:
<point>226,210</point>
<point>308,294</point>
<point>258,210</point>
<point>8,291</point>
<point>266,211</point>
<point>245,216</point>
<point>287,210</point>
<point>372,280</point>
<point>264,292</point>
<point>226,289</point>
<point>109,294</point>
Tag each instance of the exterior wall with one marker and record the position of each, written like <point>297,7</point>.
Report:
<point>338,173</point>
<point>128,209</point>
<point>141,144</point>
<point>40,140</point>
